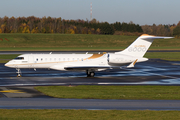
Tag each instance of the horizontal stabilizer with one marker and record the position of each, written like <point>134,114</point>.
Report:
<point>130,65</point>
<point>156,37</point>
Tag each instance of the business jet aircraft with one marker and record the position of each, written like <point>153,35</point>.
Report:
<point>87,62</point>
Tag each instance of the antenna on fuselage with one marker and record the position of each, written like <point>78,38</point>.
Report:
<point>50,53</point>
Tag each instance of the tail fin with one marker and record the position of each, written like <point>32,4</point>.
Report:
<point>140,46</point>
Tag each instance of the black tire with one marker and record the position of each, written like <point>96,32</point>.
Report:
<point>92,74</point>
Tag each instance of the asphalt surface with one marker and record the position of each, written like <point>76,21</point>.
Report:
<point>90,104</point>
<point>19,92</point>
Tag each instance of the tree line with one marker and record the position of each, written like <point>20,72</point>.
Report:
<point>34,24</point>
<point>162,30</point>
<point>176,30</point>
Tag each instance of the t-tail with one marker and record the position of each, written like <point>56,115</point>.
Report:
<point>140,46</point>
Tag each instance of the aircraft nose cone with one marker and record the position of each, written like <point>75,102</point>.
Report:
<point>9,64</point>
<point>6,64</point>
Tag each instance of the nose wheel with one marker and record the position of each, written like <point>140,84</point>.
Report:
<point>18,72</point>
<point>90,73</point>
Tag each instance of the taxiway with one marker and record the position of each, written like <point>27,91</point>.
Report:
<point>90,104</point>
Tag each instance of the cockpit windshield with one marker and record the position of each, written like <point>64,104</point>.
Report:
<point>19,58</point>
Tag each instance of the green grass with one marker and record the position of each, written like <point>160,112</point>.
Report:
<point>8,56</point>
<point>88,115</point>
<point>113,92</point>
<point>172,56</point>
<point>5,58</point>
<point>61,42</point>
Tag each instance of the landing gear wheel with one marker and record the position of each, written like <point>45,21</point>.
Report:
<point>19,75</point>
<point>18,72</point>
<point>90,73</point>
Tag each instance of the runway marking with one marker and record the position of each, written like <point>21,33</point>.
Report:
<point>12,91</point>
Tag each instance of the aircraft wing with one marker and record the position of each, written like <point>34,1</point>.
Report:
<point>99,67</point>
<point>87,67</point>
<point>91,67</point>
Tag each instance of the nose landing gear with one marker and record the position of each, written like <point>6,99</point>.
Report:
<point>18,72</point>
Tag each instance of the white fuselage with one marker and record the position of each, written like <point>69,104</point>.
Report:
<point>60,61</point>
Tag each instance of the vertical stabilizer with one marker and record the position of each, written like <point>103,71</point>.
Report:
<point>140,46</point>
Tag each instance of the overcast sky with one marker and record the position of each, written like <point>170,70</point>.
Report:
<point>139,11</point>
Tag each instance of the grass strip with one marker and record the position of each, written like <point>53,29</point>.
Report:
<point>62,48</point>
<point>57,42</point>
<point>172,56</point>
<point>6,57</point>
<point>113,92</point>
<point>78,48</point>
<point>88,115</point>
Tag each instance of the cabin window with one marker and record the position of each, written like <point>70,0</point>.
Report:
<point>46,59</point>
<point>50,59</point>
<point>63,59</point>
<point>54,59</point>
<point>41,59</point>
<point>19,58</point>
<point>37,59</point>
<point>82,59</point>
<point>59,59</point>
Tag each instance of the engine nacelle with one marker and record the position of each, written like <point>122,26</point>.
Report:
<point>119,58</point>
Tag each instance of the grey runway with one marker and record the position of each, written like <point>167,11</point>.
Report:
<point>90,104</point>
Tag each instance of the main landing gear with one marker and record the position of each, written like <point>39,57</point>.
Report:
<point>90,73</point>
<point>18,72</point>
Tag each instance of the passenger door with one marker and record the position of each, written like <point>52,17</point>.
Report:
<point>31,61</point>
